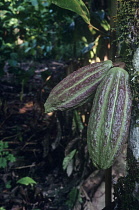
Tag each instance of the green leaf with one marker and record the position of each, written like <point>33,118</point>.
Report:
<point>68,159</point>
<point>2,208</point>
<point>3,162</point>
<point>77,6</point>
<point>70,167</point>
<point>26,181</point>
<point>73,197</point>
<point>105,25</point>
<point>12,62</point>
<point>11,158</point>
<point>8,184</point>
<point>20,8</point>
<point>77,121</point>
<point>34,3</point>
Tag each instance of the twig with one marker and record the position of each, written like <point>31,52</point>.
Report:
<point>8,137</point>
<point>29,166</point>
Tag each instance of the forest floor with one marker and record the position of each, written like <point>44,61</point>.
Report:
<point>38,144</point>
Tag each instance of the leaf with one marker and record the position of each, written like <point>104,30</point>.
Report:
<point>105,25</point>
<point>70,168</point>
<point>12,62</point>
<point>76,6</point>
<point>77,122</point>
<point>88,48</point>
<point>26,181</point>
<point>68,159</point>
<point>34,2</point>
<point>3,162</point>
<point>74,196</point>
<point>11,158</point>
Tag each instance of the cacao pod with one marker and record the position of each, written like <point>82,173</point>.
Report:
<point>109,118</point>
<point>77,87</point>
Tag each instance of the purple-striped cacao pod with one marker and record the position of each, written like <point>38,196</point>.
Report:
<point>77,87</point>
<point>109,120</point>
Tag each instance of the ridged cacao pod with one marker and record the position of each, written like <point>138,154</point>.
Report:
<point>109,118</point>
<point>77,87</point>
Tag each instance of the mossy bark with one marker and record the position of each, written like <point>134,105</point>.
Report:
<point>127,27</point>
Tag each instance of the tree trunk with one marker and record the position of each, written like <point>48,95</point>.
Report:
<point>127,189</point>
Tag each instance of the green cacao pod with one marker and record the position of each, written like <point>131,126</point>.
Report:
<point>109,118</point>
<point>77,87</point>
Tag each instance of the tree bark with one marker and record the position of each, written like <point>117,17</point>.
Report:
<point>128,42</point>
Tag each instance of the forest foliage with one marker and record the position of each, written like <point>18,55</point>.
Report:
<point>34,32</point>
<point>36,29</point>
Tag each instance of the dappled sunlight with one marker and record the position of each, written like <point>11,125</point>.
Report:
<point>105,58</point>
<point>49,77</point>
<point>27,107</point>
<point>83,118</point>
<point>50,114</point>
